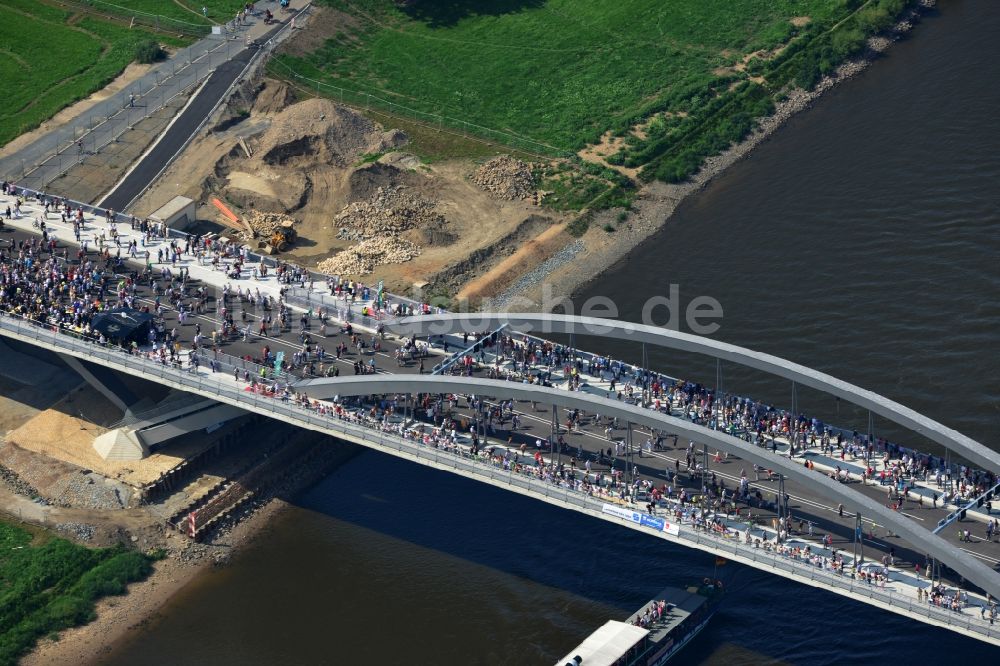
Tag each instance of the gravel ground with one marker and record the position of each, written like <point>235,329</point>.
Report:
<point>534,277</point>
<point>78,531</point>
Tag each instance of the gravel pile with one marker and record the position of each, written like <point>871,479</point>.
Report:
<point>506,178</point>
<point>86,491</point>
<point>263,223</point>
<point>390,210</point>
<point>535,276</point>
<point>369,254</point>
<point>79,531</point>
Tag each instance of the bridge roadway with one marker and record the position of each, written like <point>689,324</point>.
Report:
<point>805,504</point>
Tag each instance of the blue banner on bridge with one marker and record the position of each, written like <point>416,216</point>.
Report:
<point>644,519</point>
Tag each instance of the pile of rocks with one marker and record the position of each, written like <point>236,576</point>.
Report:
<point>369,254</point>
<point>12,480</point>
<point>264,224</point>
<point>79,531</point>
<point>506,178</point>
<point>390,210</point>
<point>87,491</point>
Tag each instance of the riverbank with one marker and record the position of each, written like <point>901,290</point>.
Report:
<point>120,618</point>
<point>598,250</point>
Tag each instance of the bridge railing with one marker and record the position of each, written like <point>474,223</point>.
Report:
<point>379,438</point>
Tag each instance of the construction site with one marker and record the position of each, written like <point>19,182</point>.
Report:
<point>104,458</point>
<point>333,190</point>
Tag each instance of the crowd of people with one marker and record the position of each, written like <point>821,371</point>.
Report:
<point>41,282</point>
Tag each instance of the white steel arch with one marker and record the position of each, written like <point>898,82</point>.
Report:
<point>969,567</point>
<point>540,324</point>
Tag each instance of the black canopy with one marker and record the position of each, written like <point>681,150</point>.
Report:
<point>124,325</point>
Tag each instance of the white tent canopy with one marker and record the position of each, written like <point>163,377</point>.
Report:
<point>606,646</point>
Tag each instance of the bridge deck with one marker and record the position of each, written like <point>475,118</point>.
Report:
<point>585,441</point>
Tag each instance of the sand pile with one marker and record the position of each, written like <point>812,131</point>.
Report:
<point>390,210</point>
<point>367,255</point>
<point>320,129</point>
<point>506,178</point>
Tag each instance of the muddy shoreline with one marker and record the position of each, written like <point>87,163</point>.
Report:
<point>655,206</point>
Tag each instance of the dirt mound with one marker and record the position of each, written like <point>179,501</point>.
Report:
<point>268,191</point>
<point>390,210</point>
<point>318,129</point>
<point>506,178</point>
<point>369,254</point>
<point>273,97</point>
<point>365,181</point>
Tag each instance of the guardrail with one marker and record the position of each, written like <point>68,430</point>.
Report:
<point>478,469</point>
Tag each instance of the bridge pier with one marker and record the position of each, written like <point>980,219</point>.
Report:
<point>78,366</point>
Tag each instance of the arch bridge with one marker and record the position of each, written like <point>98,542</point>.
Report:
<point>223,388</point>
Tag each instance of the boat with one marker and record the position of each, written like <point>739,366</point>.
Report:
<point>654,633</point>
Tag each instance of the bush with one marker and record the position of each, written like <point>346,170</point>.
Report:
<point>52,587</point>
<point>579,226</point>
<point>846,43</point>
<point>148,51</point>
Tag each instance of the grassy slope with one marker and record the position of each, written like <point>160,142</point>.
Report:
<point>559,72</point>
<point>47,63</point>
<point>50,586</point>
<point>551,76</point>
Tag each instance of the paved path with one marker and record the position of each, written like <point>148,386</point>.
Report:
<point>177,135</point>
<point>38,164</point>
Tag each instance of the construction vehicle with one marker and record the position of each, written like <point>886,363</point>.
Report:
<point>279,240</point>
<point>282,237</point>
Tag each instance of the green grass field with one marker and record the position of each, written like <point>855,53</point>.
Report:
<point>555,75</point>
<point>49,584</point>
<point>51,57</point>
<point>181,12</point>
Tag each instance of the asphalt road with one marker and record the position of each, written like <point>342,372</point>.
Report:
<point>178,133</point>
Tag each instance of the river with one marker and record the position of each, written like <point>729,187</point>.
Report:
<point>862,239</point>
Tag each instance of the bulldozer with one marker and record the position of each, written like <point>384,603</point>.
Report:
<point>283,237</point>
